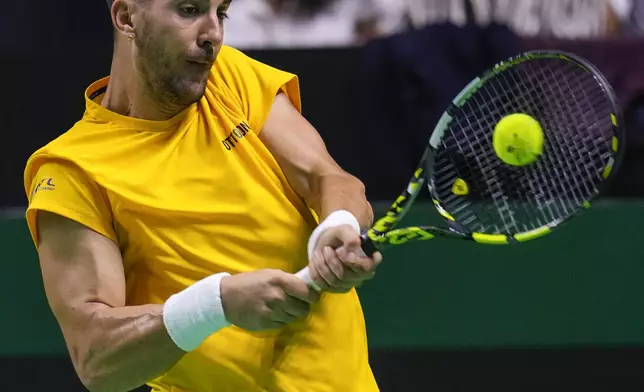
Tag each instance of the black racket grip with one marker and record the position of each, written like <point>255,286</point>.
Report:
<point>368,246</point>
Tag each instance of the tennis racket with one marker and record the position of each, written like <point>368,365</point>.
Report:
<point>484,199</point>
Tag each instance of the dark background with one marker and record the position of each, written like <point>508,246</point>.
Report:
<point>563,313</point>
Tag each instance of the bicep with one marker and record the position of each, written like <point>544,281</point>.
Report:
<point>296,144</point>
<point>309,168</point>
<point>82,270</point>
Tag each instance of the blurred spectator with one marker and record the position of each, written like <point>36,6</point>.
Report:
<point>304,23</point>
<point>630,15</point>
<point>564,19</point>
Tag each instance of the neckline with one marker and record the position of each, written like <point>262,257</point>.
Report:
<point>94,109</point>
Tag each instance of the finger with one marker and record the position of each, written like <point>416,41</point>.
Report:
<point>344,253</point>
<point>297,288</point>
<point>349,237</point>
<point>351,240</point>
<point>295,307</point>
<point>377,258</point>
<point>362,265</point>
<point>356,260</point>
<point>319,283</point>
<point>327,276</point>
<point>348,277</point>
<point>343,235</point>
<point>278,314</point>
<point>336,266</point>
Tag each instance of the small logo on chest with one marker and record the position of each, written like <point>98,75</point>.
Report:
<point>235,136</point>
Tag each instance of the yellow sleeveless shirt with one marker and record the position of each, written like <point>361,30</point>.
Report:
<point>197,195</point>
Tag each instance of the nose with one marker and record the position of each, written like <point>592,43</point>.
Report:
<point>211,33</point>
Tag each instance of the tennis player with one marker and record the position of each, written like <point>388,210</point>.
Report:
<point>171,218</point>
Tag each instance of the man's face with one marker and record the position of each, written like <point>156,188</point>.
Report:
<point>177,41</point>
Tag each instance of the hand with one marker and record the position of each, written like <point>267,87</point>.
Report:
<point>265,299</point>
<point>338,263</point>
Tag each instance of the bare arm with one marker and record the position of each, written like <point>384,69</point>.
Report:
<point>311,171</point>
<point>113,347</point>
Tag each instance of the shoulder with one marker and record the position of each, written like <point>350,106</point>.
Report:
<point>235,67</point>
<point>62,150</point>
<point>252,83</point>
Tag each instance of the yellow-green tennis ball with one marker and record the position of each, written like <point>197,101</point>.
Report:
<point>518,139</point>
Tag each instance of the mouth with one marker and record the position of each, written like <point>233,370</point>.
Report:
<point>203,63</point>
<point>199,67</point>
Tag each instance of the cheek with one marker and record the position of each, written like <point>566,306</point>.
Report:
<point>161,53</point>
<point>162,40</point>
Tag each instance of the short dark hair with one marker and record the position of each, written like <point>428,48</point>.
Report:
<point>109,3</point>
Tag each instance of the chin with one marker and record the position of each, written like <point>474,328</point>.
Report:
<point>191,93</point>
<point>196,92</point>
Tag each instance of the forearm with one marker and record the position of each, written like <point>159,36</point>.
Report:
<point>341,192</point>
<point>122,348</point>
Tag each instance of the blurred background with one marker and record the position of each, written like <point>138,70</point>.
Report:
<point>562,313</point>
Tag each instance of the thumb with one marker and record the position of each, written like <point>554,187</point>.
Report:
<point>295,287</point>
<point>341,236</point>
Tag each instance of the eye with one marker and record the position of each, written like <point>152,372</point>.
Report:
<point>223,14</point>
<point>189,10</point>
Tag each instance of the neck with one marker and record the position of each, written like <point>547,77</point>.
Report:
<point>127,95</point>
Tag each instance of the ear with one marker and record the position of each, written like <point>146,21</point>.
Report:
<point>122,12</point>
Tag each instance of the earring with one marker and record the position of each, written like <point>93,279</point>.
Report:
<point>131,37</point>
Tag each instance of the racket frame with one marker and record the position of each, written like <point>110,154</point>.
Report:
<point>384,233</point>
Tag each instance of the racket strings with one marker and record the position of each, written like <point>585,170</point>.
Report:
<point>560,147</point>
<point>571,172</point>
<point>575,115</point>
<point>490,182</point>
<point>584,153</point>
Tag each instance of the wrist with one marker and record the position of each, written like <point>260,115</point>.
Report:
<point>334,219</point>
<point>195,313</point>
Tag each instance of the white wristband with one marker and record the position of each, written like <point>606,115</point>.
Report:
<point>336,218</point>
<point>195,313</point>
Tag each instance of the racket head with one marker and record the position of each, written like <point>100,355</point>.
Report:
<point>484,199</point>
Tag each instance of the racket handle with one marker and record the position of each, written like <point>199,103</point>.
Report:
<point>368,247</point>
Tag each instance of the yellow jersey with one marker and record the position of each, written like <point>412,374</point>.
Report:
<point>197,195</point>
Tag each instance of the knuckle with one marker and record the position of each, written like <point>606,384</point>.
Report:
<point>275,296</point>
<point>265,313</point>
<point>274,276</point>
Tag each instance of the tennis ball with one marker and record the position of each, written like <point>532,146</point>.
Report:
<point>518,139</point>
